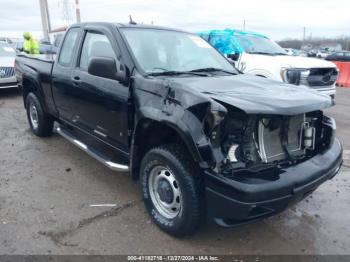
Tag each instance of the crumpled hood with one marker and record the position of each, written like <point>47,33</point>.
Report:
<point>291,61</point>
<point>257,95</point>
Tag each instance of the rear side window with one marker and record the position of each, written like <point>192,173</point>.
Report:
<point>66,54</point>
<point>95,45</point>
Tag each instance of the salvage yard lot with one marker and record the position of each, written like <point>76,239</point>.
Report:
<point>47,187</point>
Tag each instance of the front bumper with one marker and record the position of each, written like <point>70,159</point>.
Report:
<point>327,90</point>
<point>8,82</point>
<point>234,202</point>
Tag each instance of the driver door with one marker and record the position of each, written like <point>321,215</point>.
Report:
<point>101,103</point>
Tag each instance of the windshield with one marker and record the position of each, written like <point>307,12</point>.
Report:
<point>163,50</point>
<point>257,44</point>
<point>6,50</point>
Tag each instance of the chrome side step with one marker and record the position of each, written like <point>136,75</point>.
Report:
<point>112,165</point>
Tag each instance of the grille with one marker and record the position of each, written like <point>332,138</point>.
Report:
<point>270,141</point>
<point>6,72</point>
<point>322,77</point>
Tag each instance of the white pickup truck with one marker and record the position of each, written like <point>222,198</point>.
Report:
<point>257,54</point>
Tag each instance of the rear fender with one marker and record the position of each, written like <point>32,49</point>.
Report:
<point>31,84</point>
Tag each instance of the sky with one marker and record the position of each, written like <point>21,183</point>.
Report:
<point>276,19</point>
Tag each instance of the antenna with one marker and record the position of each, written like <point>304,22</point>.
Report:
<point>131,22</point>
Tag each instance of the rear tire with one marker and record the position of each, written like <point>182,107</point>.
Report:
<point>172,190</point>
<point>40,123</point>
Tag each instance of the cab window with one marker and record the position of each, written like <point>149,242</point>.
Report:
<point>66,53</point>
<point>95,45</point>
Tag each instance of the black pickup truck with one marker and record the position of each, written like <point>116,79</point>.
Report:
<point>203,139</point>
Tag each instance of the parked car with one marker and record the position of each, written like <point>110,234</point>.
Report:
<point>58,39</point>
<point>289,51</point>
<point>45,47</point>
<point>168,108</point>
<point>292,51</point>
<point>312,53</point>
<point>343,56</point>
<point>258,55</point>
<point>303,53</point>
<point>7,71</point>
<point>18,46</point>
<point>322,54</point>
<point>5,40</point>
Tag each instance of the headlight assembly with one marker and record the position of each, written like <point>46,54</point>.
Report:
<point>232,153</point>
<point>214,117</point>
<point>295,76</point>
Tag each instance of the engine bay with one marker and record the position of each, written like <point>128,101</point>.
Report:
<point>258,142</point>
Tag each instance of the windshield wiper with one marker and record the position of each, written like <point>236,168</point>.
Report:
<point>260,53</point>
<point>175,73</point>
<point>266,53</point>
<point>213,69</point>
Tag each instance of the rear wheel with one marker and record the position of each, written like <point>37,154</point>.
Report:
<point>172,190</point>
<point>40,123</point>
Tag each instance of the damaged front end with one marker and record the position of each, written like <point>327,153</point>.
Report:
<point>266,162</point>
<point>253,143</point>
<point>258,152</point>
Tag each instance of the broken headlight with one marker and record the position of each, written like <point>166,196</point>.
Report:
<point>213,119</point>
<point>233,136</point>
<point>233,153</point>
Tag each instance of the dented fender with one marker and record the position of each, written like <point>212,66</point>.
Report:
<point>184,112</point>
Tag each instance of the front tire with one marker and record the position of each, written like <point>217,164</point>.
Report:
<point>40,123</point>
<point>172,190</point>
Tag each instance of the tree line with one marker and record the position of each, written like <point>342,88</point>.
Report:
<point>316,42</point>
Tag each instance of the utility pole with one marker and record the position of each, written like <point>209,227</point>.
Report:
<point>244,25</point>
<point>45,18</point>
<point>77,11</point>
<point>304,35</point>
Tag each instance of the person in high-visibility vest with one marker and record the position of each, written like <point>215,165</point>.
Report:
<point>30,45</point>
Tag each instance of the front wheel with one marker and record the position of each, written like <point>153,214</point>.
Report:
<point>172,190</point>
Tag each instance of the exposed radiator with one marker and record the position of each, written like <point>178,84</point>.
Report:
<point>270,136</point>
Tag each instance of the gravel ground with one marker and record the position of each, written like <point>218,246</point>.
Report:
<point>47,187</point>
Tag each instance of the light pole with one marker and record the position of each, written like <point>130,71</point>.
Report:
<point>45,18</point>
<point>77,11</point>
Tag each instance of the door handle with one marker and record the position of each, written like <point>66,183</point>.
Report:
<point>76,80</point>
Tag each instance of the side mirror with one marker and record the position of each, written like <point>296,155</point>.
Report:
<point>105,67</point>
<point>234,57</point>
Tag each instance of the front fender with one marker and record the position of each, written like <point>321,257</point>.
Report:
<point>186,125</point>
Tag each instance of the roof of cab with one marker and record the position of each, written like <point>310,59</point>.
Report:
<point>127,25</point>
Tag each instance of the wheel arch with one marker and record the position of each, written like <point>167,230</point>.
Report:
<point>261,73</point>
<point>158,132</point>
<point>30,85</point>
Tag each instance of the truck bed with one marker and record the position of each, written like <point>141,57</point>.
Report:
<point>44,58</point>
<point>38,67</point>
<point>41,64</point>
